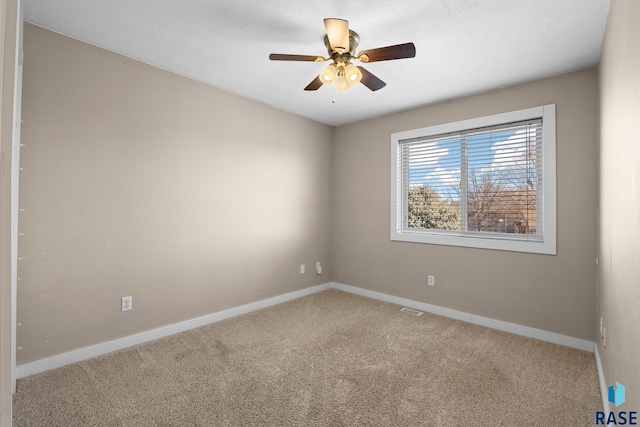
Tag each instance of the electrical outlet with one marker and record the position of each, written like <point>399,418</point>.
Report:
<point>127,303</point>
<point>432,281</point>
<point>318,268</point>
<point>302,268</point>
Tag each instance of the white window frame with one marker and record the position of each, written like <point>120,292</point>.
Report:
<point>548,243</point>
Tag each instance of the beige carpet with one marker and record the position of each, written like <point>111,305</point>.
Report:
<point>329,359</point>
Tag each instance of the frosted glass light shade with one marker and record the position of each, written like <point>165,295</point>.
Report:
<point>353,74</point>
<point>338,34</point>
<point>342,84</point>
<point>328,75</point>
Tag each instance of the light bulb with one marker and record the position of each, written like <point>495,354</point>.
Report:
<point>328,75</point>
<point>342,84</point>
<point>353,74</point>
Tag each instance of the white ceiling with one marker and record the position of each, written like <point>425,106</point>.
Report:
<point>463,46</point>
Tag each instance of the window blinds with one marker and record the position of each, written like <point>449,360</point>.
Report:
<point>484,181</point>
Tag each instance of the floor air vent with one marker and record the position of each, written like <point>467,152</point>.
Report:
<point>411,311</point>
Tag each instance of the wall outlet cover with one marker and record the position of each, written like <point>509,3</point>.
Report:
<point>127,303</point>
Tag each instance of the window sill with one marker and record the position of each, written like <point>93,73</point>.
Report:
<point>480,242</point>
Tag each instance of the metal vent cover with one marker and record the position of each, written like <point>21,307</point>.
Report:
<point>411,311</point>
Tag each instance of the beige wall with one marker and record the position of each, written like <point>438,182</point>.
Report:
<point>552,293</point>
<point>619,238</point>
<point>140,182</point>
<point>8,20</point>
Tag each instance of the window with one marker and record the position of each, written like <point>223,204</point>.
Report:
<point>483,183</point>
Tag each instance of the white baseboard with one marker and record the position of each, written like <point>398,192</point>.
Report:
<point>603,385</point>
<point>472,318</point>
<point>78,355</point>
<point>107,347</point>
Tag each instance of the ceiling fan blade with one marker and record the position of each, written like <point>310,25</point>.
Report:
<point>371,81</point>
<point>285,57</point>
<point>399,51</point>
<point>338,34</point>
<point>314,85</point>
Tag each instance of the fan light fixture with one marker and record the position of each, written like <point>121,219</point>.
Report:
<point>341,43</point>
<point>343,74</point>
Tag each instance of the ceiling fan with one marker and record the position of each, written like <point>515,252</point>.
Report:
<point>341,43</point>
